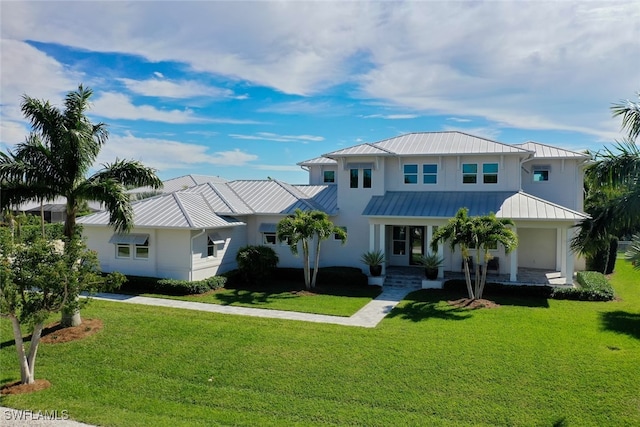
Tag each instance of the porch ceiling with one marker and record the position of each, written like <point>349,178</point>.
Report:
<point>441,204</point>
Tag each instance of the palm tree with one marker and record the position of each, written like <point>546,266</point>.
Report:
<point>613,190</point>
<point>633,253</point>
<point>305,227</point>
<point>57,156</point>
<point>481,233</point>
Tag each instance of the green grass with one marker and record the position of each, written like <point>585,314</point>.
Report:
<point>343,301</point>
<point>527,363</point>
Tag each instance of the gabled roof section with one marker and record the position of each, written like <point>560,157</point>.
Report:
<point>180,183</point>
<point>543,151</point>
<point>272,197</point>
<point>318,161</point>
<point>442,204</point>
<point>431,143</point>
<point>366,149</point>
<point>173,210</point>
<point>323,196</point>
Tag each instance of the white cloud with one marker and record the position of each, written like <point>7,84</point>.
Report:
<point>174,89</point>
<point>391,116</point>
<point>513,63</point>
<point>119,106</point>
<point>163,154</point>
<point>277,168</point>
<point>267,136</point>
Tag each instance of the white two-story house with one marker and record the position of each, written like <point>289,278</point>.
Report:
<point>389,195</point>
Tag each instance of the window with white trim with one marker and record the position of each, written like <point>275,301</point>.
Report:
<point>269,238</point>
<point>336,236</point>
<point>329,177</point>
<point>490,173</point>
<point>123,250</point>
<point>410,174</point>
<point>541,173</point>
<point>366,178</point>
<point>430,174</point>
<point>353,178</point>
<point>142,250</point>
<point>469,173</point>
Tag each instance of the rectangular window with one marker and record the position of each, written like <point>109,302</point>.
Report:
<point>366,178</point>
<point>490,173</point>
<point>211,248</point>
<point>469,173</point>
<point>329,177</point>
<point>410,174</point>
<point>268,238</point>
<point>142,250</point>
<point>399,240</point>
<point>336,237</point>
<point>123,251</point>
<point>353,178</point>
<point>429,174</point>
<point>541,173</point>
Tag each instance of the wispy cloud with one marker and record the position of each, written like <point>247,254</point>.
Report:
<point>180,89</point>
<point>458,119</point>
<point>163,154</point>
<point>391,116</point>
<point>267,136</point>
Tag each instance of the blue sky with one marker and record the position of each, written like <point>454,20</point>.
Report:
<point>245,90</point>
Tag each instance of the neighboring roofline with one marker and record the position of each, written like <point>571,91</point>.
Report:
<point>583,155</point>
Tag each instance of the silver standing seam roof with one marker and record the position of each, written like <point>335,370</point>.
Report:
<point>431,143</point>
<point>443,204</point>
<point>543,151</point>
<point>213,205</point>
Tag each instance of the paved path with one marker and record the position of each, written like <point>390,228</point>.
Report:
<point>367,317</point>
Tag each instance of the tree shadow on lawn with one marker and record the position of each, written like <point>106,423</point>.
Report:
<point>622,322</point>
<point>429,304</point>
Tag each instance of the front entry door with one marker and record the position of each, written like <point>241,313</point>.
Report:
<point>416,245</point>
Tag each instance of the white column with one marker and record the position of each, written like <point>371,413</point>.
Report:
<point>372,237</point>
<point>559,252</point>
<point>513,267</point>
<point>383,247</point>
<point>569,257</point>
<point>427,242</point>
<point>441,255</point>
<point>563,250</point>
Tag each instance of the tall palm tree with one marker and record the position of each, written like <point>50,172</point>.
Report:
<point>305,227</point>
<point>56,158</point>
<point>613,189</point>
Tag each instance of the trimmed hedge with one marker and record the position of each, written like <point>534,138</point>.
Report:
<point>144,284</point>
<point>592,286</point>
<point>327,276</point>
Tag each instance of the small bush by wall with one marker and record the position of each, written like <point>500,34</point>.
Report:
<point>144,284</point>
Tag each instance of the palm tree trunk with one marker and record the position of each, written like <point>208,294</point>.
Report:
<point>305,254</point>
<point>467,277</point>
<point>317,263</point>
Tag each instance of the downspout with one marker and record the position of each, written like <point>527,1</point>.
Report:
<point>191,254</point>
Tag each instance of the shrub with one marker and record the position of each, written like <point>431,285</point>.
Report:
<point>592,286</point>
<point>256,263</point>
<point>172,286</point>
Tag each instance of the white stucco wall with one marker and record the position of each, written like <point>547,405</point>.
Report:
<point>204,266</point>
<point>565,184</point>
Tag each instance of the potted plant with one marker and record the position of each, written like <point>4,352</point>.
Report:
<point>431,264</point>
<point>374,259</point>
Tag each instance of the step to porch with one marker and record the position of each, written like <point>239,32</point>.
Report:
<point>405,278</point>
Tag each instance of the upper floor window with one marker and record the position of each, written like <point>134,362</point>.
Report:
<point>430,174</point>
<point>490,173</point>
<point>353,178</point>
<point>410,174</point>
<point>541,173</point>
<point>469,173</point>
<point>329,177</point>
<point>366,178</point>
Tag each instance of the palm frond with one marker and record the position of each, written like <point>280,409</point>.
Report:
<point>129,173</point>
<point>115,198</point>
<point>630,112</point>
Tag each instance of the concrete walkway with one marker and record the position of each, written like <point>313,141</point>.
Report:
<point>367,317</point>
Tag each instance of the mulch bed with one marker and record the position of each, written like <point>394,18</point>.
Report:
<point>54,333</point>
<point>17,388</point>
<point>473,304</point>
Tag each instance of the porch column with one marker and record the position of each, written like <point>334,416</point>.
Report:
<point>372,237</point>
<point>383,247</point>
<point>562,249</point>
<point>513,265</point>
<point>441,255</point>
<point>569,257</point>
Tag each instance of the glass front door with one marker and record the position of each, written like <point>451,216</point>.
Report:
<point>416,245</point>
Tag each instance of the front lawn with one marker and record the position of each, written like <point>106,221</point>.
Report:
<point>529,362</point>
<point>289,296</point>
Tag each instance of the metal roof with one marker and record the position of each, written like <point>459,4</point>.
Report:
<point>544,151</point>
<point>210,205</point>
<point>431,143</point>
<point>441,204</point>
<point>180,183</point>
<point>318,161</point>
